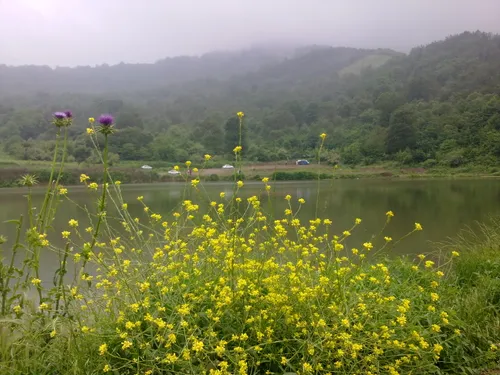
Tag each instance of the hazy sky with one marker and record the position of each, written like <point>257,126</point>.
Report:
<point>81,32</point>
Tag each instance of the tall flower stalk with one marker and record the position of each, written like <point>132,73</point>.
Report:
<point>60,120</point>
<point>234,199</point>
<point>37,231</point>
<point>50,209</point>
<point>106,128</point>
<point>318,158</point>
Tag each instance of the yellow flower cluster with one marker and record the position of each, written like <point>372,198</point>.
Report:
<point>245,290</point>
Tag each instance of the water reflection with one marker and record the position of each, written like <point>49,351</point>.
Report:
<point>442,207</point>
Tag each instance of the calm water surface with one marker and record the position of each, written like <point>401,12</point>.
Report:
<point>443,207</point>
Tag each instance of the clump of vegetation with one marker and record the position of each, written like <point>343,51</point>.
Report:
<point>232,290</point>
<point>299,175</point>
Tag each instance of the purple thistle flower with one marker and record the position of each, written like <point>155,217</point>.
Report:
<point>106,120</point>
<point>68,114</point>
<point>59,115</point>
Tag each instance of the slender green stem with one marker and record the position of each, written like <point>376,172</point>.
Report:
<point>318,179</point>
<point>48,216</point>
<point>30,207</point>
<point>41,215</point>
<point>102,203</point>
<point>60,287</point>
<point>5,286</point>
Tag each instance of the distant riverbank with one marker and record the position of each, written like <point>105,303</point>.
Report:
<point>10,175</point>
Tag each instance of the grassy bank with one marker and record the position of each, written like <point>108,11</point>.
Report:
<point>10,175</point>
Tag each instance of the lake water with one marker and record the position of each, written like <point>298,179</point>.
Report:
<point>443,207</point>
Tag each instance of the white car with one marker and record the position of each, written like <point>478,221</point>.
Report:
<point>227,166</point>
<point>146,167</point>
<point>173,172</point>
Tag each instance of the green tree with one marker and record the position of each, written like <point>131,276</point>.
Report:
<point>401,133</point>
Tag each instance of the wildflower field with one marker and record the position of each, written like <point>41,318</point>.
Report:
<point>234,289</point>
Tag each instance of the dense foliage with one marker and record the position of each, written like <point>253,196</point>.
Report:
<point>438,105</point>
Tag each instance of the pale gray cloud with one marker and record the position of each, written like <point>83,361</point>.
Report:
<point>81,32</point>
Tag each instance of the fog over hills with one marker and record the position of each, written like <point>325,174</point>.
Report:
<point>93,32</point>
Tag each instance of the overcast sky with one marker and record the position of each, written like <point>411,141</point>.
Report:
<point>82,32</point>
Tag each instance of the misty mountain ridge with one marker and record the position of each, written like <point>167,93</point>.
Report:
<point>272,68</point>
<point>218,65</point>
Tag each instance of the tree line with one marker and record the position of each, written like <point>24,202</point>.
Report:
<point>438,105</point>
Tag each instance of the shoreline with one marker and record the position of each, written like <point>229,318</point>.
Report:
<point>226,179</point>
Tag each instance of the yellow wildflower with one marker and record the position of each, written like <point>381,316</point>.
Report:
<point>44,306</point>
<point>418,226</point>
<point>240,184</point>
<point>240,115</point>
<point>171,358</point>
<point>91,120</point>
<point>126,344</point>
<point>436,328</point>
<point>322,136</point>
<point>437,348</point>
<point>198,345</point>
<point>90,131</point>
<point>429,264</point>
<point>368,245</point>
<point>207,157</point>
<point>103,349</point>
<point>307,368</point>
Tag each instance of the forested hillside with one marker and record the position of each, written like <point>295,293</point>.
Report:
<point>438,105</point>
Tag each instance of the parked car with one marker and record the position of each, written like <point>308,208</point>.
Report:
<point>146,167</point>
<point>227,166</point>
<point>302,162</point>
<point>173,172</point>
